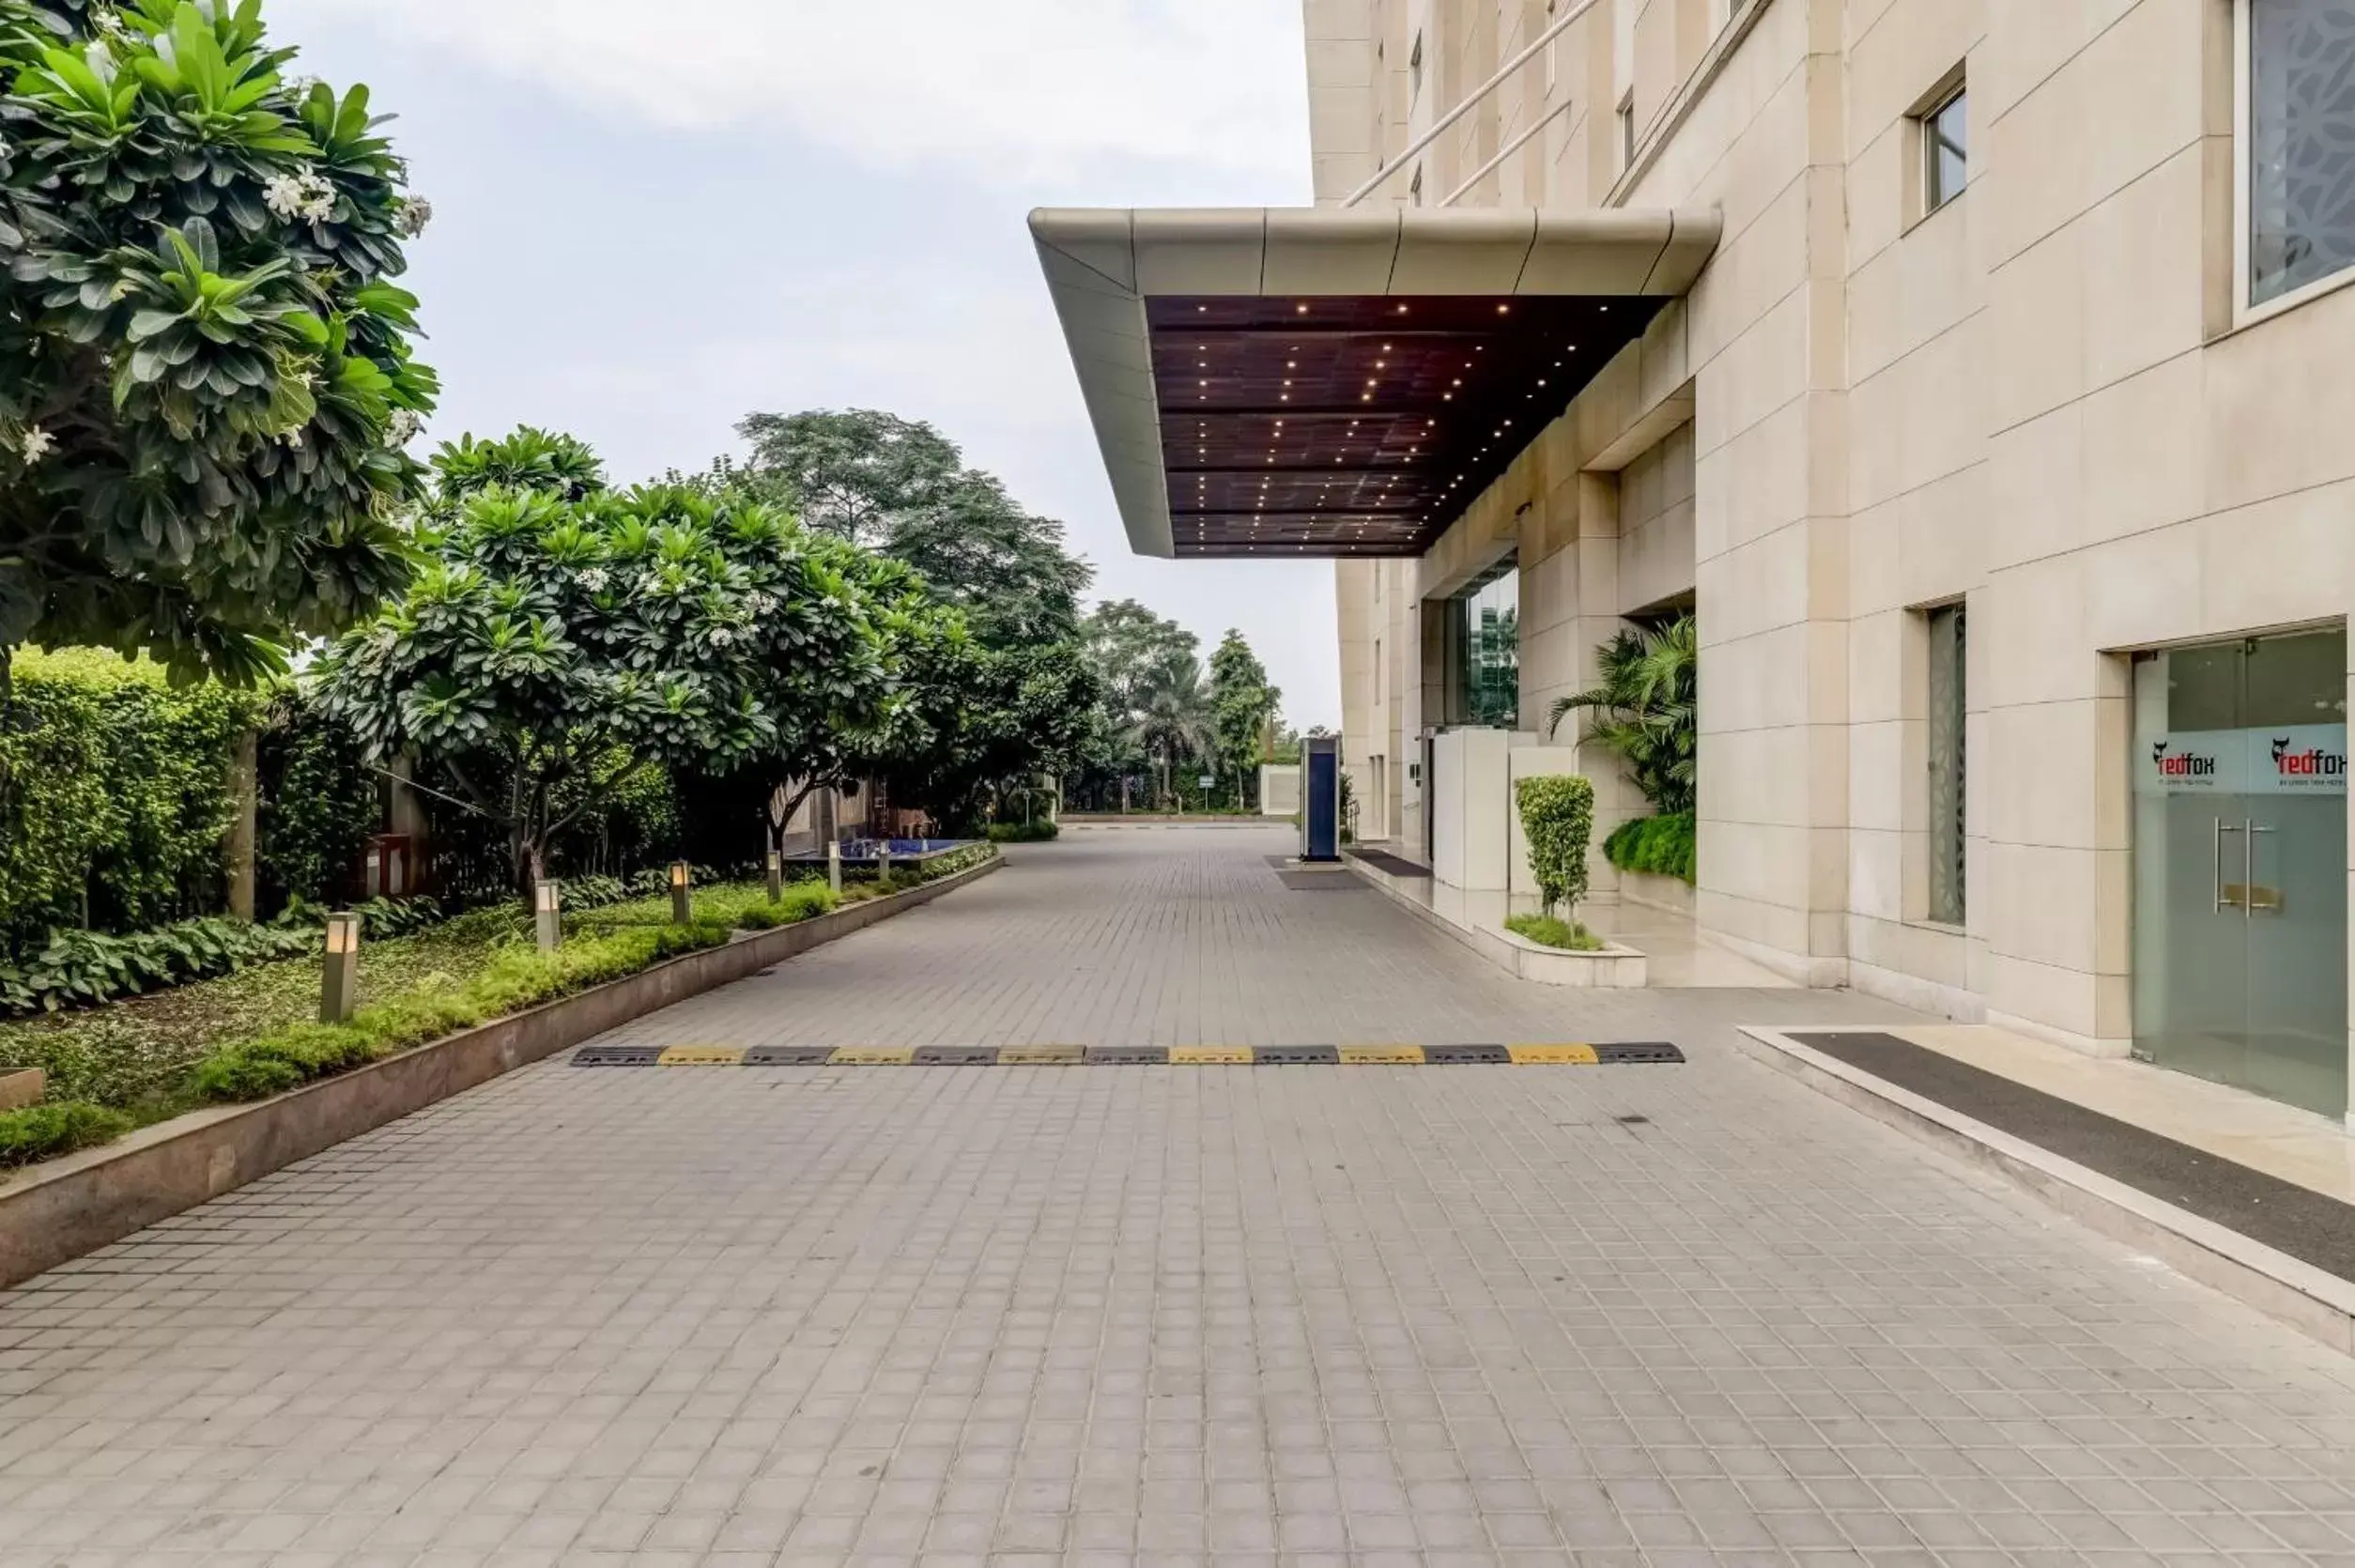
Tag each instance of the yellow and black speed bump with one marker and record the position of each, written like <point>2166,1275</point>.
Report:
<point>1378,1054</point>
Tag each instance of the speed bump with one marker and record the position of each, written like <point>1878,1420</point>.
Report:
<point>1041,1056</point>
<point>1211,1055</point>
<point>703,1056</point>
<point>956,1055</point>
<point>872,1056</point>
<point>1552,1055</point>
<point>1383,1056</point>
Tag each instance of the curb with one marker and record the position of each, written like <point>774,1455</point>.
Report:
<point>2319,1305</point>
<point>62,1208</point>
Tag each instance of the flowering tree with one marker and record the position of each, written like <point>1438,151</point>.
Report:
<point>205,373</point>
<point>553,650</point>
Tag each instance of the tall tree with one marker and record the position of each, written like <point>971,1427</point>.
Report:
<point>1125,641</point>
<point>900,488</point>
<point>1172,716</point>
<point>204,374</point>
<point>1242,709</point>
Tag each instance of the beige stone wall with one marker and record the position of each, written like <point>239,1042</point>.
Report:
<point>2035,401</point>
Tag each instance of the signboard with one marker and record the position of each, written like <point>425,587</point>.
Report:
<point>2293,759</point>
<point>1206,781</point>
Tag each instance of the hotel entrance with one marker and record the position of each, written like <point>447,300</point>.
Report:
<point>2240,867</point>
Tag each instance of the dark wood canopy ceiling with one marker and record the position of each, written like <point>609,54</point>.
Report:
<point>1361,426</point>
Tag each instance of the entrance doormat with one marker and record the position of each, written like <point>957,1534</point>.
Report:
<point>1382,860</point>
<point>2306,1225</point>
<point>1576,1053</point>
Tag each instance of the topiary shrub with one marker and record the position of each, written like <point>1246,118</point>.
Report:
<point>1558,814</point>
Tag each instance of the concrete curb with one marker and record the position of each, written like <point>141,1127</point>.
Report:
<point>1611,968</point>
<point>2284,1288</point>
<point>63,1208</point>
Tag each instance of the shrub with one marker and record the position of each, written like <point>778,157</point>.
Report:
<point>1657,846</point>
<point>1547,932</point>
<point>1023,832</point>
<point>44,1132</point>
<point>80,969</point>
<point>1558,815</point>
<point>113,795</point>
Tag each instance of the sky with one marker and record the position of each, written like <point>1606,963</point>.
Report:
<point>651,220</point>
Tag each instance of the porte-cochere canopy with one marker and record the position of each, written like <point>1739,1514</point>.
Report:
<point>1312,381</point>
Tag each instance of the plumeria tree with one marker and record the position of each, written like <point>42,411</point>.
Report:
<point>554,649</point>
<point>206,380</point>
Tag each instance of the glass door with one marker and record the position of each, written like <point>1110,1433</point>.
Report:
<point>2240,865</point>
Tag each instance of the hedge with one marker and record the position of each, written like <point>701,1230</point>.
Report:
<point>113,795</point>
<point>1023,832</point>
<point>1657,846</point>
<point>1558,815</point>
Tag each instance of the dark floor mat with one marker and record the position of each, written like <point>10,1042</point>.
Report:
<point>1382,860</point>
<point>2304,1223</point>
<point>1321,882</point>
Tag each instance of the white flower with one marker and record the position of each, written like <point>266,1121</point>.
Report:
<point>723,635</point>
<point>292,437</point>
<point>594,579</point>
<point>648,582</point>
<point>108,21</point>
<point>402,427</point>
<point>306,193</point>
<point>414,213</point>
<point>102,61</point>
<point>37,444</point>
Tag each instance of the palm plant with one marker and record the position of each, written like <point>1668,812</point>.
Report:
<point>1646,710</point>
<point>1173,714</point>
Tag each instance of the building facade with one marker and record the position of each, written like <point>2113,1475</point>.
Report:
<point>2003,449</point>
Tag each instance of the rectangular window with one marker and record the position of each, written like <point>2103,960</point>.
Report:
<point>2296,184</point>
<point>1946,167</point>
<point>1949,815</point>
<point>1485,650</point>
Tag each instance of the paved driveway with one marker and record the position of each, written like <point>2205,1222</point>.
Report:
<point>1618,1316</point>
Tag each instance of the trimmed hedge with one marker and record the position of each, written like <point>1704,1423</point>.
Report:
<point>1023,832</point>
<point>45,1131</point>
<point>1656,846</point>
<point>1547,932</point>
<point>113,795</point>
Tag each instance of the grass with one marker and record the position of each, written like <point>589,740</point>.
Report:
<point>256,1033</point>
<point>1547,932</point>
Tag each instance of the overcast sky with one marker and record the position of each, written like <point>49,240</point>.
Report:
<point>653,219</point>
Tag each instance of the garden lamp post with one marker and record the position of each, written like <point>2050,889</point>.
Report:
<point>776,877</point>
<point>834,865</point>
<point>339,985</point>
<point>546,901</point>
<point>681,880</point>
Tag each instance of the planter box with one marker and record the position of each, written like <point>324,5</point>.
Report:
<point>65,1207</point>
<point>1606,966</point>
<point>20,1086</point>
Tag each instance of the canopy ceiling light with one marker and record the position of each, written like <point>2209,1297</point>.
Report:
<point>1374,352</point>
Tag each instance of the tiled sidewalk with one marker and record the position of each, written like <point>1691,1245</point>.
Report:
<point>1629,1316</point>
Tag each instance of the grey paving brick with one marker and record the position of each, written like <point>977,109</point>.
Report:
<point>1154,1315</point>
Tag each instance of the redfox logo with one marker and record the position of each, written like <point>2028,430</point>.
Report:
<point>2314,762</point>
<point>2183,765</point>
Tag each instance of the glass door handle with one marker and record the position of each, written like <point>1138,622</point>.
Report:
<point>2228,897</point>
<point>2253,897</point>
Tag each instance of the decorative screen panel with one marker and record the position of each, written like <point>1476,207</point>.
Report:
<point>2301,143</point>
<point>1949,814</point>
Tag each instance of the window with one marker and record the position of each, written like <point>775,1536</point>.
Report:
<point>1949,815</point>
<point>2297,164</point>
<point>1627,129</point>
<point>1946,161</point>
<point>1483,634</point>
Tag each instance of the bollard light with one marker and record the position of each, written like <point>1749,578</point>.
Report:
<point>834,865</point>
<point>883,859</point>
<point>776,877</point>
<point>547,904</point>
<point>339,983</point>
<point>680,913</point>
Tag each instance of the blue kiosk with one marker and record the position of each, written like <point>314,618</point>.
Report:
<point>1320,798</point>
